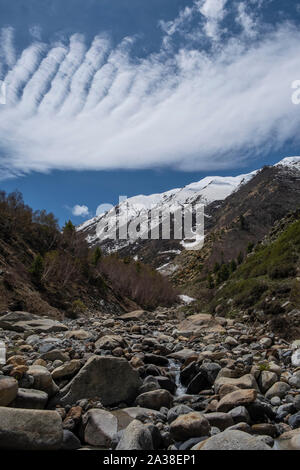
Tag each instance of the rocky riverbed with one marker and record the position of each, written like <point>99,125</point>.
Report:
<point>147,381</point>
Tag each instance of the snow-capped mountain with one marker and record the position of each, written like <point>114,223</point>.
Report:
<point>208,191</point>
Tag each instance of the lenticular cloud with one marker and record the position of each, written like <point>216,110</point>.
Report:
<point>94,106</point>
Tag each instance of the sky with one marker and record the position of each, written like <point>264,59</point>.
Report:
<point>101,98</point>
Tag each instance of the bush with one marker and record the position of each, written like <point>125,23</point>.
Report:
<point>139,282</point>
<point>282,271</point>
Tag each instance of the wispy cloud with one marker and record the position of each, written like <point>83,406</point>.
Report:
<point>94,106</point>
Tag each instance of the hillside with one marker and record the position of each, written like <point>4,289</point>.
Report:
<point>243,219</point>
<point>266,285</point>
<point>49,271</point>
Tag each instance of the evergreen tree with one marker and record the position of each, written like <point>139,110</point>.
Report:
<point>210,282</point>
<point>240,258</point>
<point>97,255</point>
<point>232,266</point>
<point>37,268</point>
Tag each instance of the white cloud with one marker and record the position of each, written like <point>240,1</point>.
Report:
<point>246,20</point>
<point>92,106</point>
<point>80,211</point>
<point>214,12</point>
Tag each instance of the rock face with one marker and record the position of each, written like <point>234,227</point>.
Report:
<point>232,440</point>
<point>30,429</point>
<point>8,390</point>
<point>110,379</point>
<point>100,428</point>
<point>189,425</point>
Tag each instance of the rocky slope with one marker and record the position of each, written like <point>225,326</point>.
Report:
<point>147,381</point>
<point>261,196</point>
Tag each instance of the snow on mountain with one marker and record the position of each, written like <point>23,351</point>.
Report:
<point>205,191</point>
<point>290,162</point>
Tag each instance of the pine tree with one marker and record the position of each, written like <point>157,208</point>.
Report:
<point>37,268</point>
<point>69,227</point>
<point>97,255</point>
<point>240,258</point>
<point>232,266</point>
<point>210,282</point>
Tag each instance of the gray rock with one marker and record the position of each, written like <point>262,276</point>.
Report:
<point>294,421</point>
<point>99,427</point>
<point>232,440</point>
<point>110,379</point>
<point>219,420</point>
<point>30,399</point>
<point>30,429</point>
<point>240,414</point>
<point>24,321</point>
<point>295,359</point>
<point>8,390</point>
<point>266,380</point>
<point>189,425</point>
<point>136,436</point>
<point>155,399</point>
<point>70,441</point>
<point>42,380</point>
<point>176,411</point>
<point>279,389</point>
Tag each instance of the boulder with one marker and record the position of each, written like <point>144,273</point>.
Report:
<point>67,369</point>
<point>196,324</point>
<point>108,378</point>
<point>78,334</point>
<point>24,321</point>
<point>126,415</point>
<point>110,342</point>
<point>136,315</point>
<point>99,427</point>
<point>246,381</point>
<point>232,440</point>
<point>70,441</point>
<point>8,390</point>
<point>55,355</point>
<point>266,380</point>
<point>289,440</point>
<point>136,436</point>
<point>43,380</point>
<point>155,399</point>
<point>219,420</point>
<point>30,429</point>
<point>189,425</point>
<point>279,389</point>
<point>237,398</point>
<point>30,399</point>
<point>295,359</point>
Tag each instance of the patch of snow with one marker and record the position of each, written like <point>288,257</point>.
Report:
<point>186,299</point>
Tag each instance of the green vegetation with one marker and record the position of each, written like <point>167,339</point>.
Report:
<point>269,272</point>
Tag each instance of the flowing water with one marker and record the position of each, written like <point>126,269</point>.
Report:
<point>174,366</point>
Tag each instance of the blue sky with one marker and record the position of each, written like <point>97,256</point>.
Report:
<point>107,98</point>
